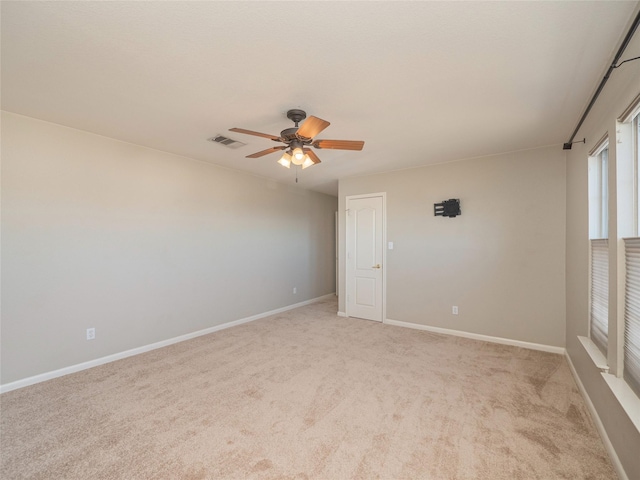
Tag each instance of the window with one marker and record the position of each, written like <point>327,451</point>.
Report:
<point>617,356</point>
<point>598,191</point>
<point>635,136</point>
<point>599,325</point>
<point>598,232</point>
<point>632,314</point>
<point>631,358</point>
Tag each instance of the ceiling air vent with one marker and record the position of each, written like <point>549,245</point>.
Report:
<point>226,141</point>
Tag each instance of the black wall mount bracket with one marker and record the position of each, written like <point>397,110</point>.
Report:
<point>448,208</point>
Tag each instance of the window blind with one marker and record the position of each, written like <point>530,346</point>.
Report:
<point>632,314</point>
<point>599,327</point>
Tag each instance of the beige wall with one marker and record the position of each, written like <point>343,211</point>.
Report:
<point>623,86</point>
<point>501,262</point>
<point>142,245</point>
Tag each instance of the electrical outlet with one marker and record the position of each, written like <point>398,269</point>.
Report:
<point>454,310</point>
<point>91,333</point>
<point>295,290</point>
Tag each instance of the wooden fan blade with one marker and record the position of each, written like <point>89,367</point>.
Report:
<point>339,144</point>
<point>266,152</point>
<point>312,155</point>
<point>257,134</point>
<point>311,127</point>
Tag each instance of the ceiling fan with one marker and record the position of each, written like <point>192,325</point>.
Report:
<point>297,140</point>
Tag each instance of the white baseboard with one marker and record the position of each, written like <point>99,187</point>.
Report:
<point>599,426</point>
<point>25,382</point>
<point>477,336</point>
<point>342,314</point>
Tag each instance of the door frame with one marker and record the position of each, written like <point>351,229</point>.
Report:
<point>347,277</point>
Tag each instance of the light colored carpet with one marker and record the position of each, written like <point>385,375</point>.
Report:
<point>304,395</point>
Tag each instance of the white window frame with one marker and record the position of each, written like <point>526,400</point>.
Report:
<point>599,190</point>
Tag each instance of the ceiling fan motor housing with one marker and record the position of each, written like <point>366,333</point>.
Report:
<point>289,134</point>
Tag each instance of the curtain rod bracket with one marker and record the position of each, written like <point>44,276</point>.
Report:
<point>567,146</point>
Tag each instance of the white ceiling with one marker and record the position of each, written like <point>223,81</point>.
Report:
<point>419,82</point>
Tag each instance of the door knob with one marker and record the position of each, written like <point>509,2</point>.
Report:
<point>376,266</point>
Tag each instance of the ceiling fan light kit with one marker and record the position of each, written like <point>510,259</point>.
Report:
<point>285,160</point>
<point>307,162</point>
<point>297,140</point>
<point>297,155</point>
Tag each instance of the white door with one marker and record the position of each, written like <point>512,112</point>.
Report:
<point>365,253</point>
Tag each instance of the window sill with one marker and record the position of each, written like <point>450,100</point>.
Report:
<point>627,398</point>
<point>596,355</point>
